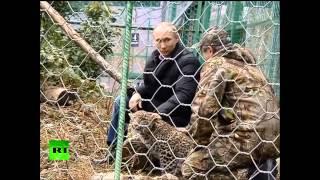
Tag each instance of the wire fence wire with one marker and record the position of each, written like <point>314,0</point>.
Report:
<point>86,119</point>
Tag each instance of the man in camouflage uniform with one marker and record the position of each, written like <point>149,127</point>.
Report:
<point>235,114</point>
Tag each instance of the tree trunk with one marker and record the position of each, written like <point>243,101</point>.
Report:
<point>72,34</point>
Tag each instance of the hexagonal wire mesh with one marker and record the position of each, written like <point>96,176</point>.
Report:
<point>68,71</point>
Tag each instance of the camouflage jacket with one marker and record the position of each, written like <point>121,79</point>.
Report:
<point>235,98</point>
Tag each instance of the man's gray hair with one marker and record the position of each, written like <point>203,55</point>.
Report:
<point>167,26</point>
<point>216,38</point>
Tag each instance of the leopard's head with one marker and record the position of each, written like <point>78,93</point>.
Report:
<point>141,121</point>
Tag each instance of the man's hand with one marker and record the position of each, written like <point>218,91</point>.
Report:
<point>135,102</point>
<point>182,129</point>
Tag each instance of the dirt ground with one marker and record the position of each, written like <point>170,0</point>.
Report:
<point>85,126</point>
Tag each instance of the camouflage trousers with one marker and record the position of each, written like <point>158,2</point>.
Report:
<point>199,165</point>
<point>224,158</point>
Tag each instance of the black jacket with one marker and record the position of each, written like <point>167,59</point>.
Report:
<point>175,95</point>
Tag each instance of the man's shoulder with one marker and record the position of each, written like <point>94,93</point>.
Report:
<point>186,53</point>
<point>153,55</point>
<point>216,60</point>
<point>223,62</point>
<point>152,59</point>
<point>187,57</point>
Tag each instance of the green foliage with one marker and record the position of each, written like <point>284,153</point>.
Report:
<point>136,3</point>
<point>78,6</point>
<point>97,10</point>
<point>62,57</point>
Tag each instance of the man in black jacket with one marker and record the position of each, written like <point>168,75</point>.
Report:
<point>170,81</point>
<point>168,78</point>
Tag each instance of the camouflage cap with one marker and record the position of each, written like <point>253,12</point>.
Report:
<point>214,37</point>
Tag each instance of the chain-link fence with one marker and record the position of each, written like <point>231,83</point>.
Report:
<point>79,81</point>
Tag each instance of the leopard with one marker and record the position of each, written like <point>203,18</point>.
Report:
<point>163,140</point>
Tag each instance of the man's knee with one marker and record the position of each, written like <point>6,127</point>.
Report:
<point>117,102</point>
<point>186,170</point>
<point>197,162</point>
<point>116,109</point>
